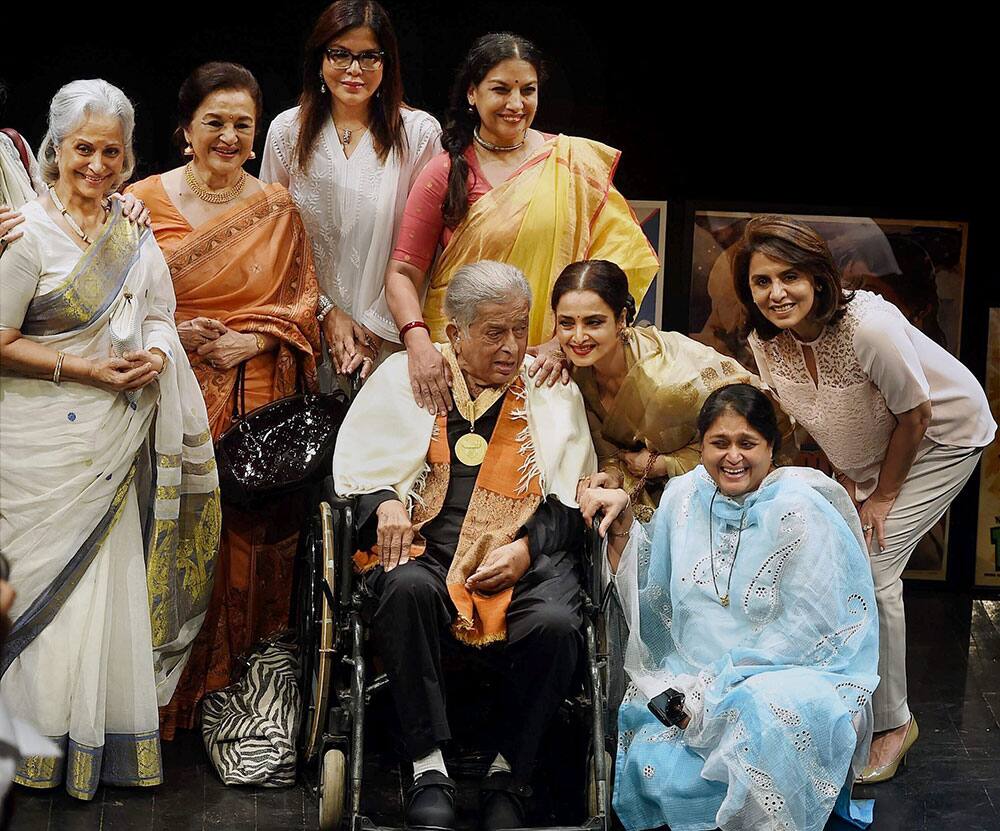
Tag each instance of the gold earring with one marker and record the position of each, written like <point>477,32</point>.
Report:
<point>624,334</point>
<point>253,155</point>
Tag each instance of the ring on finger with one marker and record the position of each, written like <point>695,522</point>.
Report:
<point>867,528</point>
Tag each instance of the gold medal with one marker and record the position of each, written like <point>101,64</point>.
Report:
<point>471,449</point>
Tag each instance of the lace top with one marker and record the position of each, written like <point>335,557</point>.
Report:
<point>351,207</point>
<point>871,365</point>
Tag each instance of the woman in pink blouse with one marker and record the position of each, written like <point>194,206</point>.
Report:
<point>902,421</point>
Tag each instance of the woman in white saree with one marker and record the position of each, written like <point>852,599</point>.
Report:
<point>109,510</point>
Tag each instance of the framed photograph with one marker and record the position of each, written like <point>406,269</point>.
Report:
<point>988,537</point>
<point>918,265</point>
<point>652,217</point>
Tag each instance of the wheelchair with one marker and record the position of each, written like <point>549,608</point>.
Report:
<point>338,685</point>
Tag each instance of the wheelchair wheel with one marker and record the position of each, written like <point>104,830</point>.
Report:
<point>332,790</point>
<point>319,625</point>
<point>593,807</point>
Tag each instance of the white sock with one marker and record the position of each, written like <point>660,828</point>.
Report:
<point>500,765</point>
<point>432,761</point>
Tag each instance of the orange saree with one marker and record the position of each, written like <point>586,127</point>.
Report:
<point>250,268</point>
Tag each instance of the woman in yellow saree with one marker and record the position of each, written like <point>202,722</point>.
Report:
<point>503,191</point>
<point>246,291</point>
<point>109,505</point>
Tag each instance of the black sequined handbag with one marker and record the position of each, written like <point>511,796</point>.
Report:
<point>278,448</point>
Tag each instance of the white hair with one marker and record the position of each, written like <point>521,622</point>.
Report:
<point>71,107</point>
<point>484,282</point>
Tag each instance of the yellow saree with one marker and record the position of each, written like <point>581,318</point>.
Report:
<point>560,208</point>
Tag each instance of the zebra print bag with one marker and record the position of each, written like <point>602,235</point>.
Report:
<point>250,727</point>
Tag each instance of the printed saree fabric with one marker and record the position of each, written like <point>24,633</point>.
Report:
<point>539,446</point>
<point>91,486</point>
<point>250,268</point>
<point>669,377</point>
<point>560,208</point>
<point>778,683</point>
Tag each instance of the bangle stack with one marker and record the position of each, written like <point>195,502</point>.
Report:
<point>413,324</point>
<point>58,370</point>
<point>324,305</point>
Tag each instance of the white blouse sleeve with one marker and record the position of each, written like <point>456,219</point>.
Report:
<point>426,147</point>
<point>276,165</point>
<point>20,271</point>
<point>887,355</point>
<point>158,328</point>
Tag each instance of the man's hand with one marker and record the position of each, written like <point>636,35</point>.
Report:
<point>501,568</point>
<point>395,533</point>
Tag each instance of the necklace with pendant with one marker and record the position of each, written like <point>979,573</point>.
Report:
<point>69,219</point>
<point>471,447</point>
<point>723,598</point>
<point>344,134</point>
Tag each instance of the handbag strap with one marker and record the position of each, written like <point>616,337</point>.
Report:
<point>240,393</point>
<point>22,149</point>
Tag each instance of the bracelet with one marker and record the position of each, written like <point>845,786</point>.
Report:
<point>325,306</point>
<point>261,343</point>
<point>413,324</point>
<point>619,534</point>
<point>58,370</point>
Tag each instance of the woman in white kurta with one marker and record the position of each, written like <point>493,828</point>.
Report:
<point>902,421</point>
<point>349,154</point>
<point>106,445</point>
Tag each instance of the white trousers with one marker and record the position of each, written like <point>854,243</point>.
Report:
<point>934,481</point>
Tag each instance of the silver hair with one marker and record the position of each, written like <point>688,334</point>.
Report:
<point>484,282</point>
<point>69,109</point>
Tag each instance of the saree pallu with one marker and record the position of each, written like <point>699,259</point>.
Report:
<point>560,208</point>
<point>91,486</point>
<point>252,270</point>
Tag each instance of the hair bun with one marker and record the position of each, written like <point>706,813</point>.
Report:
<point>630,311</point>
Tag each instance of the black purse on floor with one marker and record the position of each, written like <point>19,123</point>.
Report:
<point>279,448</point>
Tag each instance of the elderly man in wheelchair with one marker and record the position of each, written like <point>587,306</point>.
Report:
<point>468,528</point>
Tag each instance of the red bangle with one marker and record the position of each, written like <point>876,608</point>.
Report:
<point>413,324</point>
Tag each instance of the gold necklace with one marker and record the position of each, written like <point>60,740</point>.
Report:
<point>471,448</point>
<point>214,197</point>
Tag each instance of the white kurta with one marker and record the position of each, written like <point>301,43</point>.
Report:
<point>351,207</point>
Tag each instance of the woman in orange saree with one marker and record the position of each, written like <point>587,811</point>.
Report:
<point>246,294</point>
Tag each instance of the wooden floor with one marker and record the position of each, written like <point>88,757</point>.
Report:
<point>952,780</point>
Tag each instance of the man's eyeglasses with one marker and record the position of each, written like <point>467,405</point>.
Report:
<point>343,58</point>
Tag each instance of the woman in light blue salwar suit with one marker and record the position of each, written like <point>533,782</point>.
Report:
<point>748,592</point>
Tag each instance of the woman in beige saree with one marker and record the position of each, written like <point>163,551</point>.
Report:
<point>109,511</point>
<point>246,294</point>
<point>643,387</point>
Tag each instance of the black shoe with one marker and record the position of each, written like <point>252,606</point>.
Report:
<point>501,802</point>
<point>430,803</point>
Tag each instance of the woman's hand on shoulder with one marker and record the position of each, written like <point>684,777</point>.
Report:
<point>9,220</point>
<point>430,376</point>
<point>133,209</point>
<point>550,364</point>
<point>229,349</point>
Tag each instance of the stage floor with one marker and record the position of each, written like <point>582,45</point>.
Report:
<point>952,779</point>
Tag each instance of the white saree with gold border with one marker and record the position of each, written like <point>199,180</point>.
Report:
<point>109,512</point>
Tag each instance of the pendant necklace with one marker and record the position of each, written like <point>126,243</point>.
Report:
<point>69,219</point>
<point>723,598</point>
<point>471,448</point>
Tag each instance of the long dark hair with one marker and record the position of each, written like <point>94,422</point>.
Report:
<point>314,107</point>
<point>460,119</point>
<point>747,401</point>
<point>604,278</point>
<point>794,242</point>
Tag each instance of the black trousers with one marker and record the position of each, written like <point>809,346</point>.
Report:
<point>537,661</point>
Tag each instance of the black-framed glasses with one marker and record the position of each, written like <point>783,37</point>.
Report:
<point>343,58</point>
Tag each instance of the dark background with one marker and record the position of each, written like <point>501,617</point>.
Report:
<point>817,109</point>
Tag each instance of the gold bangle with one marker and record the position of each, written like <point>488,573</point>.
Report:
<point>261,343</point>
<point>620,534</point>
<point>58,370</point>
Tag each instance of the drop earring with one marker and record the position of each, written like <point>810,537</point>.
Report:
<point>188,149</point>
<point>322,83</point>
<point>252,155</point>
